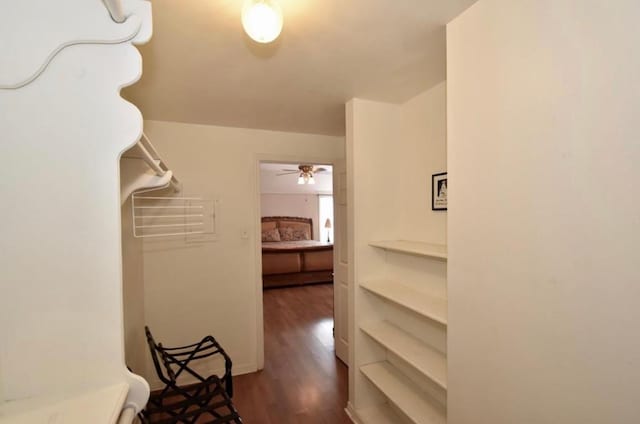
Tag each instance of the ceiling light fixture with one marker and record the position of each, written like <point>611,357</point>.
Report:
<point>306,177</point>
<point>262,20</point>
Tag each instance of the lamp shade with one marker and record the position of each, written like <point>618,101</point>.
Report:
<point>327,223</point>
<point>262,20</point>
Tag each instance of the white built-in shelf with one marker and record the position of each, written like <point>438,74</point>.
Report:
<point>404,394</point>
<point>424,358</point>
<point>416,248</point>
<point>101,405</point>
<point>432,307</point>
<point>378,414</point>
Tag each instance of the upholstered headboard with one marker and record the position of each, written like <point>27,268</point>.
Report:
<point>269,222</point>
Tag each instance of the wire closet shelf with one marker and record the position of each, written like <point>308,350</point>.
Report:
<point>156,216</point>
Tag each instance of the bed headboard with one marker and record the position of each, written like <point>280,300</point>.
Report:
<point>269,222</point>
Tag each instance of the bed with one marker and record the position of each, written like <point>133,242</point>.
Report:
<point>290,256</point>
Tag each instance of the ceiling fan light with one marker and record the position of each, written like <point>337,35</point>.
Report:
<point>311,180</point>
<point>300,179</point>
<point>262,20</point>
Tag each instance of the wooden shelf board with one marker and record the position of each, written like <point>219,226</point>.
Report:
<point>416,248</point>
<point>424,358</point>
<point>421,303</point>
<point>404,394</point>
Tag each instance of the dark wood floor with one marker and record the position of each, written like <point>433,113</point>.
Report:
<point>302,381</point>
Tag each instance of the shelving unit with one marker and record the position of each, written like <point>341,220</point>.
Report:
<point>416,402</point>
<point>419,302</point>
<point>416,248</point>
<point>399,258</point>
<point>424,358</point>
<point>404,394</point>
<point>402,284</point>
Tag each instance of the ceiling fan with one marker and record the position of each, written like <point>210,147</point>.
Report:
<point>306,173</point>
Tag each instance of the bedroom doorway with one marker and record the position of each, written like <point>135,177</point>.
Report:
<point>296,218</point>
<point>296,214</point>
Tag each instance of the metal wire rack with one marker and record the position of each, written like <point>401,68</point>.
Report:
<point>156,216</point>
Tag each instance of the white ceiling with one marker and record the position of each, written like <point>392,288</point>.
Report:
<point>200,67</point>
<point>271,182</point>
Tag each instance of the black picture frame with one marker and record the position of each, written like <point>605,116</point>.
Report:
<point>439,187</point>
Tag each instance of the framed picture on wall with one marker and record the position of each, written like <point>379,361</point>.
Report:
<point>439,192</point>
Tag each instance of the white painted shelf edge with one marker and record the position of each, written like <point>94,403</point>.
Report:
<point>416,248</point>
<point>430,362</point>
<point>432,307</point>
<point>102,405</point>
<point>404,394</point>
<point>379,414</point>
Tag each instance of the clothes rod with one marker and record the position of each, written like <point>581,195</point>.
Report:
<point>147,148</point>
<point>170,235</point>
<point>115,10</point>
<point>168,198</point>
<point>169,207</point>
<point>193,215</point>
<point>191,224</point>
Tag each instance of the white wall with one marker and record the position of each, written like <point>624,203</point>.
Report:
<point>423,152</point>
<point>61,329</point>
<point>302,205</point>
<point>544,222</point>
<point>133,295</point>
<point>195,289</point>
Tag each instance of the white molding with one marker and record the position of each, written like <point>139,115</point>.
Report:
<point>258,159</point>
<point>352,414</point>
<point>84,22</point>
<point>242,369</point>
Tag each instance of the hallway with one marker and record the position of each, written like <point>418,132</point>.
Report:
<point>303,381</point>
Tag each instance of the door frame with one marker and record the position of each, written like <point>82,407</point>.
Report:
<point>271,158</point>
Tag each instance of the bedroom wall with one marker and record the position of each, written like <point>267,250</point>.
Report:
<point>195,289</point>
<point>303,205</point>
<point>544,300</point>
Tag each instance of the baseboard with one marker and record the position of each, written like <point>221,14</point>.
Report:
<point>352,414</point>
<point>244,369</point>
<point>156,384</point>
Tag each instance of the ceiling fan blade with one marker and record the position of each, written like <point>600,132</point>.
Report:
<point>320,170</point>
<point>287,173</point>
<point>290,170</point>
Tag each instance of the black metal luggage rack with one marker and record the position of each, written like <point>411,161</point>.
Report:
<point>208,401</point>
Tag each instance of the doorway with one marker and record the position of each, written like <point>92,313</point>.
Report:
<point>297,307</point>
<point>290,193</point>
